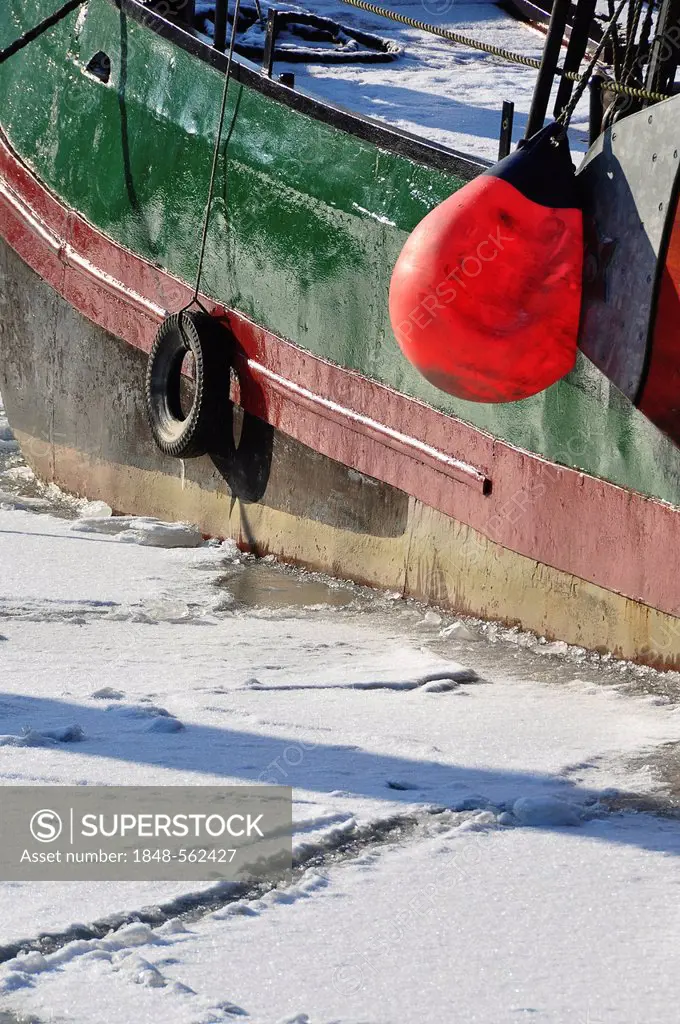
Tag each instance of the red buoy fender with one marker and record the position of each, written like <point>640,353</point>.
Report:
<point>486,294</point>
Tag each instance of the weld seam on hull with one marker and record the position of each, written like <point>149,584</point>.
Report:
<point>454,468</point>
<point>65,251</point>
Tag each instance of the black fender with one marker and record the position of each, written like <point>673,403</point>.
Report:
<point>186,435</point>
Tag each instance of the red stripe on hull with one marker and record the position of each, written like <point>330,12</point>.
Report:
<point>574,522</point>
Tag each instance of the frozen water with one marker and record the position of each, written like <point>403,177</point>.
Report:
<point>470,821</point>
<point>449,93</point>
<point>545,811</point>
<point>458,631</point>
<point>140,530</point>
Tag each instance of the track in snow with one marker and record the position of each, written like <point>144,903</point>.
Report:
<point>448,776</point>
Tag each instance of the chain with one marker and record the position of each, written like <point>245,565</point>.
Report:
<point>568,112</point>
<point>634,15</point>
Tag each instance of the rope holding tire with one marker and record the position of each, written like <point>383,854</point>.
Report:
<point>195,433</point>
<point>186,435</point>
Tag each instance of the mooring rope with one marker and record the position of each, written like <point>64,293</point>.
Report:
<point>216,155</point>
<point>497,51</point>
<point>37,30</point>
<point>446,33</point>
<point>363,5</point>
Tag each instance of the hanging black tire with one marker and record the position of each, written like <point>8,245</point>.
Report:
<point>181,434</point>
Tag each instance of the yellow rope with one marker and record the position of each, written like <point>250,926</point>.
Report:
<point>497,51</point>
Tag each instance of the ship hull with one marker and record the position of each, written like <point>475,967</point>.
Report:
<point>74,395</point>
<point>558,513</point>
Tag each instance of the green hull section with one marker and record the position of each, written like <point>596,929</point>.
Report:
<point>307,222</point>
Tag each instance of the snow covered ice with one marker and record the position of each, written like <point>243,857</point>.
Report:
<point>482,833</point>
<point>451,94</point>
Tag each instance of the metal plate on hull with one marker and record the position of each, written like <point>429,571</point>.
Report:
<point>659,397</point>
<point>628,181</point>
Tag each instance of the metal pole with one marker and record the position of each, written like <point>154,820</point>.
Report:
<point>505,139</point>
<point>189,12</point>
<point>596,111</point>
<point>220,41</point>
<point>270,42</point>
<point>663,59</point>
<point>549,61</point>
<point>576,50</point>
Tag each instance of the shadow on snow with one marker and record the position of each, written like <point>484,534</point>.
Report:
<point>120,732</point>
